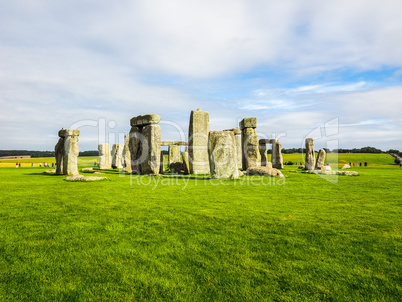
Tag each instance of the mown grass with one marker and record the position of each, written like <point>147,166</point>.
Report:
<point>177,238</point>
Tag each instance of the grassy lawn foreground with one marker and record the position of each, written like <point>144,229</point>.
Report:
<point>307,237</point>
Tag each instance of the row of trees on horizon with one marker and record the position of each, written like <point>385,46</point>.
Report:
<point>285,151</point>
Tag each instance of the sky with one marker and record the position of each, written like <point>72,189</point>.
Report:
<point>331,70</point>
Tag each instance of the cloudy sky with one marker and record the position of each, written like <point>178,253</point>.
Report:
<point>325,69</point>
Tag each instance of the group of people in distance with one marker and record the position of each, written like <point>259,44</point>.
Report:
<point>18,165</point>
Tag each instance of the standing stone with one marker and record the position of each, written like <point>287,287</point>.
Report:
<point>162,164</point>
<point>222,155</point>
<point>59,154</point>
<point>135,138</point>
<point>151,149</point>
<point>174,154</point>
<point>277,158</point>
<point>104,156</point>
<point>198,142</point>
<point>320,159</point>
<point>71,150</point>
<point>186,163</point>
<point>250,146</point>
<point>310,155</point>
<point>239,156</point>
<point>127,154</point>
<point>117,156</point>
<point>263,153</point>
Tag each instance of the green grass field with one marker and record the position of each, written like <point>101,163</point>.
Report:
<point>185,238</point>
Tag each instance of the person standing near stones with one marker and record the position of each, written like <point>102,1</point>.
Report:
<point>16,165</point>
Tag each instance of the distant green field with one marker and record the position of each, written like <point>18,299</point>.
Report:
<point>186,238</point>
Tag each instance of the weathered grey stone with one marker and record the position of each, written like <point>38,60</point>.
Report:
<point>248,122</point>
<point>174,154</point>
<point>162,163</point>
<point>84,178</point>
<point>198,142</point>
<point>345,166</point>
<point>310,154</point>
<point>222,155</point>
<point>186,163</point>
<point>264,171</point>
<point>69,132</point>
<point>236,131</point>
<point>144,120</point>
<point>87,169</point>
<point>71,151</point>
<point>117,156</point>
<point>320,159</point>
<point>170,143</point>
<point>263,153</point>
<point>268,141</point>
<point>151,149</point>
<point>176,167</point>
<point>237,135</point>
<point>105,159</point>
<point>326,168</point>
<point>250,148</point>
<point>135,145</point>
<point>59,154</point>
<point>277,159</point>
<point>127,154</point>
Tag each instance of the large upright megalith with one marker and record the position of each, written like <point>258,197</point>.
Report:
<point>320,159</point>
<point>127,154</point>
<point>277,158</point>
<point>237,136</point>
<point>222,154</point>
<point>151,148</point>
<point>117,156</point>
<point>198,142</point>
<point>174,154</point>
<point>310,155</point>
<point>66,151</point>
<point>105,161</point>
<point>250,147</point>
<point>59,154</point>
<point>145,144</point>
<point>263,152</point>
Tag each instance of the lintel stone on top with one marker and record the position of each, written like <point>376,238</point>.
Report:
<point>248,122</point>
<point>144,120</point>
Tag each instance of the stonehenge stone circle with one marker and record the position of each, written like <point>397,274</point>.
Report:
<point>222,155</point>
<point>67,151</point>
<point>105,161</point>
<point>250,146</point>
<point>310,155</point>
<point>198,142</point>
<point>117,156</point>
<point>320,159</point>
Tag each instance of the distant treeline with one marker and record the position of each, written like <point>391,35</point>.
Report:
<point>41,153</point>
<point>354,150</point>
<point>285,151</point>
